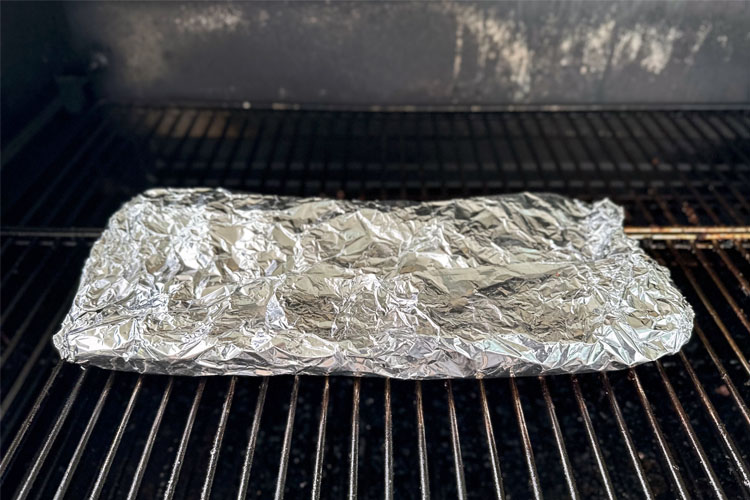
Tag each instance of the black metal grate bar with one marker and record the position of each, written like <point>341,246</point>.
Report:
<point>141,467</point>
<point>388,444</point>
<point>626,437</point>
<point>685,421</point>
<point>32,473</point>
<point>180,457</point>
<point>107,464</point>
<point>250,450</point>
<point>560,441</point>
<point>594,441</point>
<point>458,463</point>
<point>424,482</point>
<point>673,468</point>
<point>323,420</point>
<point>287,444</point>
<point>528,452</point>
<point>497,477</point>
<point>677,428</point>
<point>89,429</point>
<point>354,441</point>
<point>216,448</point>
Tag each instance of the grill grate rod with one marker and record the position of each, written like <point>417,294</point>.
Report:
<point>678,140</point>
<point>593,441</point>
<point>180,456</point>
<point>215,150</point>
<point>81,446</point>
<point>559,440</point>
<point>190,161</point>
<point>63,172</point>
<point>551,151</point>
<point>497,477</point>
<point>506,135</point>
<point>20,331</point>
<point>290,150</point>
<point>100,172</point>
<point>354,440</point>
<point>535,159</point>
<point>699,254</point>
<point>107,464</point>
<point>49,440</point>
<point>31,362</point>
<point>726,439</point>
<point>626,437</point>
<point>730,340</point>
<point>271,155</point>
<point>711,311</point>
<point>29,420</point>
<point>723,289</point>
<point>148,446</point>
<point>213,456</point>
<point>484,173</point>
<point>729,185</point>
<point>729,122</point>
<point>704,262</point>
<point>183,139</point>
<point>306,159</point>
<point>739,401</point>
<point>19,293</point>
<point>424,478</point>
<point>744,284</point>
<point>666,452</point>
<point>85,174</point>
<point>528,452</point>
<point>287,444</point>
<point>717,193</point>
<point>502,174</point>
<point>233,153</point>
<point>262,128</point>
<point>458,463</point>
<point>320,447</point>
<point>388,443</point>
<point>688,428</point>
<point>247,463</point>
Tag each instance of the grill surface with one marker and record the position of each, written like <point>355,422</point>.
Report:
<point>675,428</point>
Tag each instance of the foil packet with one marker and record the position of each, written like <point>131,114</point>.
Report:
<point>209,282</point>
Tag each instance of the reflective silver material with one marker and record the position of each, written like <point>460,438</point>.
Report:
<point>204,282</point>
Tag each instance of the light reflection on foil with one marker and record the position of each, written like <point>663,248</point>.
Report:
<point>208,282</point>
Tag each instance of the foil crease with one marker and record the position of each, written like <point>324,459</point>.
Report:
<point>209,282</point>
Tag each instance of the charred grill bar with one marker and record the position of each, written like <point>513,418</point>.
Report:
<point>675,428</point>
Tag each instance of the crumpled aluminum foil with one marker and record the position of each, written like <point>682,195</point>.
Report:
<point>208,282</point>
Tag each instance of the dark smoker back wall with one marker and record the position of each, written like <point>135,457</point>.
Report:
<point>362,53</point>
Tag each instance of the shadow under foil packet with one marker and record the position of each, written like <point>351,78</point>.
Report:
<point>209,282</point>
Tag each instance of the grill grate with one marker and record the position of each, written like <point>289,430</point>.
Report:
<point>675,428</point>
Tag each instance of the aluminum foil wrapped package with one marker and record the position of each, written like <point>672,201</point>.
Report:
<point>208,282</point>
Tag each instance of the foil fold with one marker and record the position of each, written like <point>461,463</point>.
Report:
<point>209,282</point>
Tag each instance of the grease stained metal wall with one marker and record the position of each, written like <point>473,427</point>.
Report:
<point>414,53</point>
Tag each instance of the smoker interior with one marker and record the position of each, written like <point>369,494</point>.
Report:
<point>675,428</point>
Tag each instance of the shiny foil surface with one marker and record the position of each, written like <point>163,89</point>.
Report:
<point>209,282</point>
